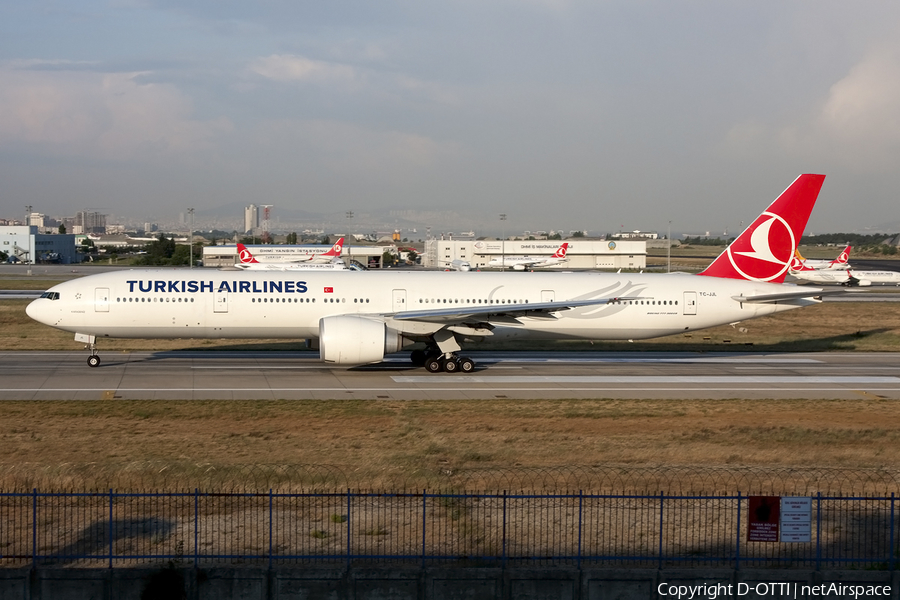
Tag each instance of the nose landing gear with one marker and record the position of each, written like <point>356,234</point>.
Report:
<point>91,344</point>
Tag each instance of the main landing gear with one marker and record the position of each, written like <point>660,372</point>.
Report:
<point>435,361</point>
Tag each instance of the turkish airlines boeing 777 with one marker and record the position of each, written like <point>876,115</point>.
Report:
<point>356,318</point>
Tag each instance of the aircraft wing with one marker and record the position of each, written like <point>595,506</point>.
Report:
<point>497,312</point>
<point>792,295</point>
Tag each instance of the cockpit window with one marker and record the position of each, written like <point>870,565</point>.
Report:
<point>50,295</point>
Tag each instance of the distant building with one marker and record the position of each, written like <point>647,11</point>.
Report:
<point>582,254</point>
<point>37,220</point>
<point>25,244</point>
<point>637,234</point>
<point>90,222</point>
<point>251,218</point>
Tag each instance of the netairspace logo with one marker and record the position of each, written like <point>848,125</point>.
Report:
<point>771,590</point>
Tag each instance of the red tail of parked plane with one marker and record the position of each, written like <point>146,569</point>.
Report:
<point>765,250</point>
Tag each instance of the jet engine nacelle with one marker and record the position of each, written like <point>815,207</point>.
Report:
<point>349,340</point>
<point>518,267</point>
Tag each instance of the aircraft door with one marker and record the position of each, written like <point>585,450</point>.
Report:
<point>220,302</point>
<point>399,300</point>
<point>101,299</point>
<point>690,303</point>
<point>548,296</point>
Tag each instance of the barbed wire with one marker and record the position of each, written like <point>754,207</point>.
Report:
<point>148,476</point>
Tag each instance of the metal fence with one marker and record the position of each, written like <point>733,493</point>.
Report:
<point>110,528</point>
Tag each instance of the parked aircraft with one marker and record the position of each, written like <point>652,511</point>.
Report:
<point>249,263</point>
<point>841,262</point>
<point>847,277</point>
<point>247,257</point>
<point>520,263</point>
<point>460,265</point>
<point>356,318</point>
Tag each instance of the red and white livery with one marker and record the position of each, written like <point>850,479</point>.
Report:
<point>839,263</point>
<point>357,318</point>
<point>520,263</point>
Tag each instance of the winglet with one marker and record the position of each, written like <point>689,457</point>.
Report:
<point>764,251</point>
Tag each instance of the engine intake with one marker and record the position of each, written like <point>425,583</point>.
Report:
<point>348,340</point>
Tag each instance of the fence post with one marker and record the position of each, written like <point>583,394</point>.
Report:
<point>891,548</point>
<point>737,553</point>
<point>110,527</point>
<point>503,560</point>
<point>196,527</point>
<point>34,529</point>
<point>424,504</point>
<point>349,522</point>
<point>580,521</point>
<point>270,529</point>
<point>661,509</point>
<point>818,531</point>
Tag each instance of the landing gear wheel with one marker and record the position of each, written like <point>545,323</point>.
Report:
<point>451,366</point>
<point>466,365</point>
<point>433,365</point>
<point>93,360</point>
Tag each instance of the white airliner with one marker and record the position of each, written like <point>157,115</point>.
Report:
<point>847,277</point>
<point>247,257</point>
<point>460,265</point>
<point>249,262</point>
<point>841,262</point>
<point>520,263</point>
<point>356,318</point>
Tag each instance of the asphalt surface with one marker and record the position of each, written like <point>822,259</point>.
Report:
<point>521,375</point>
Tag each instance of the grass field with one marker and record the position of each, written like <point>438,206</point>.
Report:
<point>388,441</point>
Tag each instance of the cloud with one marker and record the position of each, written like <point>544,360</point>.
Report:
<point>285,67</point>
<point>855,125</point>
<point>111,116</point>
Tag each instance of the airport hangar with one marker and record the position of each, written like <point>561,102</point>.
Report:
<point>582,254</point>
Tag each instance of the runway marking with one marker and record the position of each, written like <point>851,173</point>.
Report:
<point>439,389</point>
<point>658,379</point>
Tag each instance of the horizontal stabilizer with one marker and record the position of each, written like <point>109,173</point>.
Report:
<point>792,295</point>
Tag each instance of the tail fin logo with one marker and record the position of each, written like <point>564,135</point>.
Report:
<point>561,253</point>
<point>245,255</point>
<point>771,249</point>
<point>797,261</point>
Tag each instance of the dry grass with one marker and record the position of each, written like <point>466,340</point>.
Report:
<point>375,440</point>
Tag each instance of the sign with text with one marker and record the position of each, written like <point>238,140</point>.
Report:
<point>796,519</point>
<point>762,524</point>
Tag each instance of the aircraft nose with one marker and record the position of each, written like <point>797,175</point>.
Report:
<point>37,310</point>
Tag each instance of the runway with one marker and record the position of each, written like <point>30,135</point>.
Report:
<point>519,375</point>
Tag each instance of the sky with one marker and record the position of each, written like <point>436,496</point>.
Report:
<point>561,114</point>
